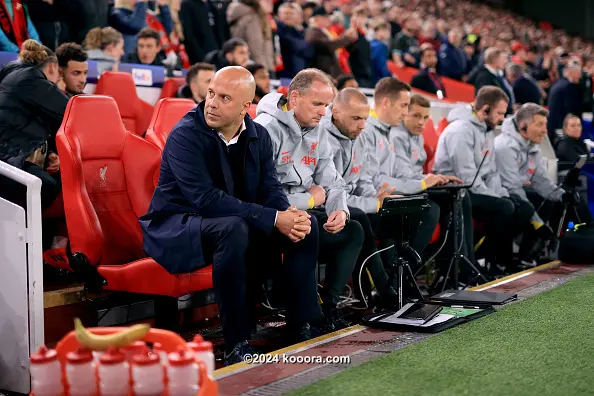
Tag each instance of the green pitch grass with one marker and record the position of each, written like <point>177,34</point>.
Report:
<point>540,346</point>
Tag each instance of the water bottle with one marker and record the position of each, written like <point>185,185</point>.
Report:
<point>147,374</point>
<point>80,373</point>
<point>158,349</point>
<point>46,375</point>
<point>114,374</point>
<point>136,348</point>
<point>182,373</point>
<point>203,352</point>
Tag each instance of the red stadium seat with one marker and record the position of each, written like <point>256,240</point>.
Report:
<point>108,178</point>
<point>135,113</point>
<point>171,86</point>
<point>430,137</point>
<point>458,91</point>
<point>441,125</point>
<point>283,90</point>
<point>167,113</point>
<point>405,74</point>
<point>252,110</point>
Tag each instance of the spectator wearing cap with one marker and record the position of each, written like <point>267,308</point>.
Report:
<point>493,73</point>
<point>427,80</point>
<point>471,56</point>
<point>324,45</point>
<point>379,50</point>
<point>532,60</point>
<point>452,60</point>
<point>565,98</point>
<point>405,47</point>
<point>295,50</point>
<point>360,50</point>
<point>519,51</point>
<point>524,86</point>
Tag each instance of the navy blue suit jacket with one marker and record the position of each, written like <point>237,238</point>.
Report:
<point>196,182</point>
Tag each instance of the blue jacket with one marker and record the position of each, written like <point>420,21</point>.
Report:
<point>452,61</point>
<point>379,60</point>
<point>196,183</point>
<point>295,51</point>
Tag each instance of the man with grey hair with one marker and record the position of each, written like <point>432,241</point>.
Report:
<point>306,170</point>
<point>524,175</point>
<point>493,73</point>
<point>525,88</point>
<point>565,98</point>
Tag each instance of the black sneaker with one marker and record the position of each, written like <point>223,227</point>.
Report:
<point>238,353</point>
<point>333,319</point>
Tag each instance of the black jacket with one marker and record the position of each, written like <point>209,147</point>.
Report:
<point>484,77</point>
<point>526,91</point>
<point>360,61</point>
<point>199,37</point>
<point>564,98</point>
<point>196,180</point>
<point>423,82</point>
<point>31,111</point>
<point>569,149</point>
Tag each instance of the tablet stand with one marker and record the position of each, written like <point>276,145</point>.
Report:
<point>458,241</point>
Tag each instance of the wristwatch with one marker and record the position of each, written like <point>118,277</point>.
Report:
<point>348,216</point>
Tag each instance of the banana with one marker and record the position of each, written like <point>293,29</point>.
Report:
<point>102,342</point>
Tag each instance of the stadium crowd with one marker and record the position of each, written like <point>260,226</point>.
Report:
<point>308,176</point>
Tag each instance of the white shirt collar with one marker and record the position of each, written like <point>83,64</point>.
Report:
<point>235,138</point>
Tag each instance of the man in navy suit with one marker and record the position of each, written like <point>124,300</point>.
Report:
<point>219,201</point>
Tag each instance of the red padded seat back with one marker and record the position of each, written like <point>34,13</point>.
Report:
<point>441,125</point>
<point>171,86</point>
<point>167,113</point>
<point>108,179</point>
<point>252,110</point>
<point>135,112</point>
<point>430,138</point>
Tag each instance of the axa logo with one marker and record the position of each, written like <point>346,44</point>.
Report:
<point>355,170</point>
<point>103,177</point>
<point>307,160</point>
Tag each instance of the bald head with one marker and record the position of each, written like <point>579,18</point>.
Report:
<point>230,94</point>
<point>240,77</point>
<point>349,112</point>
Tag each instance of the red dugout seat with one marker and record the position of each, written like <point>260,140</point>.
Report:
<point>252,110</point>
<point>171,86</point>
<point>135,112</point>
<point>430,138</point>
<point>167,113</point>
<point>441,125</point>
<point>108,178</point>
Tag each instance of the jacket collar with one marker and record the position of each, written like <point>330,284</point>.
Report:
<point>375,121</point>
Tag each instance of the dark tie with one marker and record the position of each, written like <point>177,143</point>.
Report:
<point>436,81</point>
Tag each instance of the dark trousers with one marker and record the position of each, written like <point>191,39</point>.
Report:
<point>241,254</point>
<point>504,218</point>
<point>340,252</point>
<point>17,193</point>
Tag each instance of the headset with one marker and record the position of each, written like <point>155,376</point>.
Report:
<point>488,110</point>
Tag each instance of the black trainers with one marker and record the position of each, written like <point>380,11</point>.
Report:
<point>238,353</point>
<point>333,320</point>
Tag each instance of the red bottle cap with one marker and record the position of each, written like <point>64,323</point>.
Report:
<point>44,355</point>
<point>79,356</point>
<point>182,357</point>
<point>198,338</point>
<point>157,347</point>
<point>111,356</point>
<point>135,346</point>
<point>204,346</point>
<point>146,359</point>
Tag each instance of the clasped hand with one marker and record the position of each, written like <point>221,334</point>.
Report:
<point>293,223</point>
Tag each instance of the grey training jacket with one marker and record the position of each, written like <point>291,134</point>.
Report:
<point>461,148</point>
<point>409,155</point>
<point>382,160</point>
<point>302,155</point>
<point>351,159</point>
<point>520,161</point>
